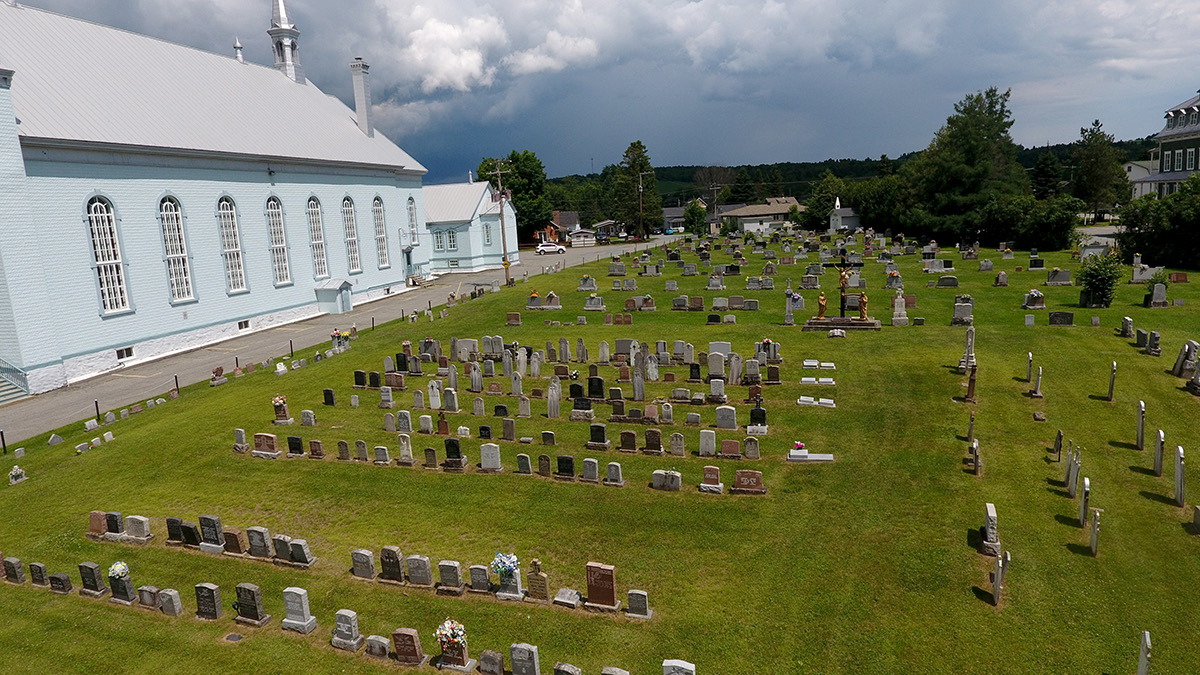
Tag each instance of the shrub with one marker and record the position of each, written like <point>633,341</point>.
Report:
<point>1099,277</point>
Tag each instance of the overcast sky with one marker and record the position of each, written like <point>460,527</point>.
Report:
<point>706,81</point>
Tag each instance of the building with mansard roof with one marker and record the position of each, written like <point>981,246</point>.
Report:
<point>1175,158</point>
<point>156,198</point>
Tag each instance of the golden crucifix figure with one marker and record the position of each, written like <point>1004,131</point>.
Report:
<point>862,305</point>
<point>821,301</point>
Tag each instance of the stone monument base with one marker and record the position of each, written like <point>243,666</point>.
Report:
<point>848,323</point>
<point>304,627</point>
<point>605,609</point>
<point>717,489</point>
<point>468,667</point>
<point>257,623</point>
<point>348,645</point>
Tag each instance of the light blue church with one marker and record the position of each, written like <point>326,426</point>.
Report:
<point>156,198</point>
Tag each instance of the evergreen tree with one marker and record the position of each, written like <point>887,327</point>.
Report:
<point>638,203</point>
<point>742,191</point>
<point>1047,175</point>
<point>1098,177</point>
<point>971,161</point>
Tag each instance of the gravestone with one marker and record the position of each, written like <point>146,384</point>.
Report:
<point>297,617</point>
<point>249,606</point>
<point>601,588</point>
<point>208,602</point>
<point>345,632</point>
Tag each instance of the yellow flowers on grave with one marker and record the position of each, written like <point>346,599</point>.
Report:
<point>119,570</point>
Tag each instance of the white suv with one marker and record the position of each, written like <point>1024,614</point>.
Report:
<point>550,247</point>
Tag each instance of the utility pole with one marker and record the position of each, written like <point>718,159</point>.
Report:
<point>499,197</point>
<point>641,225</point>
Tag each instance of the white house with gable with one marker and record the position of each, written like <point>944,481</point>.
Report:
<point>465,227</point>
<point>156,198</point>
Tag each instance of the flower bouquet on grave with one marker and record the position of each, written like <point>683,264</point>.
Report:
<point>575,374</point>
<point>1035,293</point>
<point>505,564</point>
<point>279,400</point>
<point>16,475</point>
<point>533,294</point>
<point>118,570</point>
<point>406,343</point>
<point>1008,250</point>
<point>586,277</point>
<point>451,635</point>
<point>592,295</point>
<point>893,273</point>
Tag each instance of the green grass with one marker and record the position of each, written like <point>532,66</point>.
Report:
<point>862,566</point>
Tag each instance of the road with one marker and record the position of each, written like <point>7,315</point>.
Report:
<point>137,382</point>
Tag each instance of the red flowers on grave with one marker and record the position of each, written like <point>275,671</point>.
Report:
<point>451,634</point>
<point>279,400</point>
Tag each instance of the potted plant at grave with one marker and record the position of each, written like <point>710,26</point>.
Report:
<point>452,638</point>
<point>505,565</point>
<point>281,409</point>
<point>16,475</point>
<point>118,573</point>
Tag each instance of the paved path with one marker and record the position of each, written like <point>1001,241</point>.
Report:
<point>125,386</point>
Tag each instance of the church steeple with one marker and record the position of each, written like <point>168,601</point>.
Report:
<point>285,41</point>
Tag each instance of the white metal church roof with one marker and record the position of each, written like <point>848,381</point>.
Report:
<point>78,81</point>
<point>457,202</point>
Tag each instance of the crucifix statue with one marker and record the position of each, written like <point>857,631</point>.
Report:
<point>844,270</point>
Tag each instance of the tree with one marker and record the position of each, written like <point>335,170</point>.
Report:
<point>1047,175</point>
<point>1164,230</point>
<point>818,205</point>
<point>971,161</point>
<point>695,218</point>
<point>742,191</point>
<point>715,182</point>
<point>638,203</point>
<point>525,176</point>
<point>1099,179</point>
<point>880,202</point>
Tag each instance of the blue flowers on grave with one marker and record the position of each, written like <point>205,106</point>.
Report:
<point>505,564</point>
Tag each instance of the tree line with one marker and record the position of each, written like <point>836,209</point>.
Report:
<point>972,183</point>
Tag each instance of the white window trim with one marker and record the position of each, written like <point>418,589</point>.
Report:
<point>412,221</point>
<point>1191,159</point>
<point>231,246</point>
<point>175,251</point>
<point>316,236</point>
<point>105,236</point>
<point>353,260</point>
<point>487,234</point>
<point>1179,160</point>
<point>451,240</point>
<point>381,242</point>
<point>439,241</point>
<point>277,237</point>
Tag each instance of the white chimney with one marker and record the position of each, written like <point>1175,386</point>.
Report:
<point>362,96</point>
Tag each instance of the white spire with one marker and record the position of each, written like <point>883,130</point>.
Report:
<point>837,201</point>
<point>285,38</point>
<point>237,49</point>
<point>279,17</point>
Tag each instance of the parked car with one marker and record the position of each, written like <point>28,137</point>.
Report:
<point>550,247</point>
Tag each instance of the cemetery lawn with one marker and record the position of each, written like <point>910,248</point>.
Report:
<point>865,565</point>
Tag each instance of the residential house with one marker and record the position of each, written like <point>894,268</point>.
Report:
<point>465,227</point>
<point>1175,158</point>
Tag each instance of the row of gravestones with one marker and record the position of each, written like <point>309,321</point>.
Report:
<point>209,536</point>
<point>93,424</point>
<point>404,648</point>
<point>416,571</point>
<point>490,463</point>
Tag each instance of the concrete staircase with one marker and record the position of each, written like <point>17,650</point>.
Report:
<point>10,392</point>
